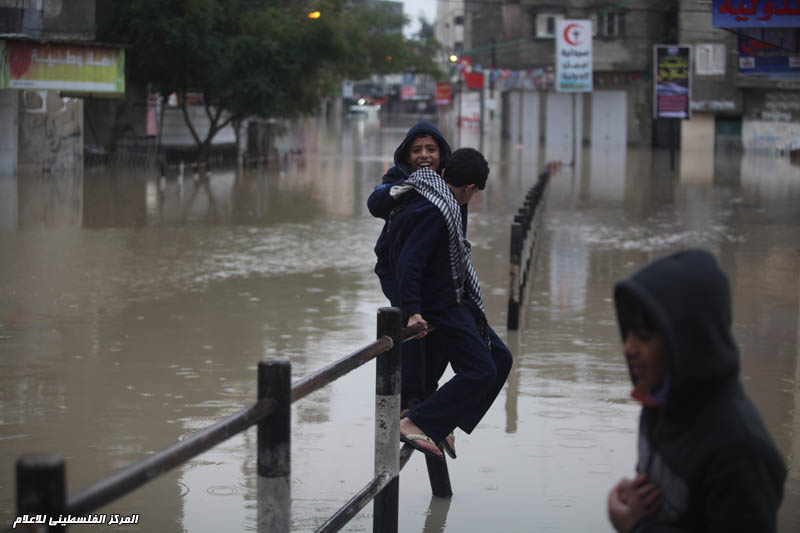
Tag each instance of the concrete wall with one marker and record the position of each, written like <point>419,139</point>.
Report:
<point>50,168</point>
<point>108,120</point>
<point>9,118</point>
<point>64,19</point>
<point>770,137</point>
<point>710,92</point>
<point>620,63</point>
<point>697,149</point>
<point>176,133</point>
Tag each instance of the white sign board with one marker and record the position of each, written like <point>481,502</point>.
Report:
<point>573,56</point>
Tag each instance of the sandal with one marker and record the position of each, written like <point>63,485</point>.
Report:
<point>447,446</point>
<point>411,439</point>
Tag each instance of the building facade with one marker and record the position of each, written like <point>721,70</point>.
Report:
<point>732,104</point>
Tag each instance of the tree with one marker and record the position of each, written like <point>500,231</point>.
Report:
<point>258,58</point>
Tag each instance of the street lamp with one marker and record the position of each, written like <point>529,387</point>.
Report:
<point>314,15</point>
<point>453,58</point>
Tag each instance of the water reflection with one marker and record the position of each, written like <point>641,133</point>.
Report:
<point>140,317</point>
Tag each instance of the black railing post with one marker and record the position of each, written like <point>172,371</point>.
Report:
<point>387,422</point>
<point>439,477</point>
<point>514,275</point>
<point>41,488</point>
<point>274,447</point>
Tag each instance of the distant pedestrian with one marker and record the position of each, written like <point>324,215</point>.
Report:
<point>706,461</point>
<point>438,287</point>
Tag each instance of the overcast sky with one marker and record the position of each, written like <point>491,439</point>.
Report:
<point>412,9</point>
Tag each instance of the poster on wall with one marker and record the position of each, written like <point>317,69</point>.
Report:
<point>573,56</point>
<point>672,87</point>
<point>63,67</point>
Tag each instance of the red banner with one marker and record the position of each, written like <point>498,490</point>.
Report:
<point>444,93</point>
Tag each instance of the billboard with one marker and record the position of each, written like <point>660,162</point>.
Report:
<point>757,57</point>
<point>444,93</point>
<point>672,81</point>
<point>749,14</point>
<point>61,67</point>
<point>573,56</point>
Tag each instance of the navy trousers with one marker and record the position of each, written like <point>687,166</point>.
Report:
<point>421,368</point>
<point>480,372</point>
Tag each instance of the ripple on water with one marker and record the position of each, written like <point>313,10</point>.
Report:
<point>183,488</point>
<point>600,469</point>
<point>555,415</point>
<point>582,444</point>
<point>226,490</point>
<point>561,502</point>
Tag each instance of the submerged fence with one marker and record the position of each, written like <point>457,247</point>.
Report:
<point>524,231</point>
<point>41,478</point>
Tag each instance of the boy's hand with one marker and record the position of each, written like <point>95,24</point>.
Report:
<point>630,501</point>
<point>417,319</point>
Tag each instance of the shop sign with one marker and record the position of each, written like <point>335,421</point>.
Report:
<point>672,87</point>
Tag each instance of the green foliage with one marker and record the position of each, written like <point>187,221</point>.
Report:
<point>262,58</point>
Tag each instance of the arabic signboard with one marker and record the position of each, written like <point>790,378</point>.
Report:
<point>749,14</point>
<point>756,57</point>
<point>673,81</point>
<point>573,56</point>
<point>62,67</point>
<point>444,93</point>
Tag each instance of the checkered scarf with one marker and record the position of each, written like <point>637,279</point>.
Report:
<point>434,189</point>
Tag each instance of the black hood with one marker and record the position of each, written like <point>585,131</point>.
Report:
<point>688,297</point>
<point>423,126</point>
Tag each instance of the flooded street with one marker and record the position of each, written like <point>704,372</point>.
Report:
<point>140,316</point>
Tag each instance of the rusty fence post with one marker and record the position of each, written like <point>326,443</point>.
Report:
<point>387,422</point>
<point>42,488</point>
<point>274,447</point>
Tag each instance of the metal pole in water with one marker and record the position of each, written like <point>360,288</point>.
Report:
<point>41,488</point>
<point>514,276</point>
<point>387,422</point>
<point>274,447</point>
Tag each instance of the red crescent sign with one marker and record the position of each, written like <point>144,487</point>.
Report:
<point>566,34</point>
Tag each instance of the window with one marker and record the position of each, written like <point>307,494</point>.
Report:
<point>546,24</point>
<point>608,24</point>
<point>458,20</point>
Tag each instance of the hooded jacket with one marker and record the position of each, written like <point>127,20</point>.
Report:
<point>706,448</point>
<point>381,204</point>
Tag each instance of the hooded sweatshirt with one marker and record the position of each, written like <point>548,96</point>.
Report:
<point>381,204</point>
<point>706,447</point>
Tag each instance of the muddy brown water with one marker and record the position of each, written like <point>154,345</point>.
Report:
<point>140,318</point>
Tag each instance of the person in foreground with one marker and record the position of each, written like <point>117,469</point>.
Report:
<point>423,147</point>
<point>706,461</point>
<point>438,288</point>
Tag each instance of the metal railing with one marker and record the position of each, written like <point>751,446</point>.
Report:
<point>524,231</point>
<point>41,478</point>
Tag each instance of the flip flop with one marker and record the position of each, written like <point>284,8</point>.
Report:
<point>412,437</point>
<point>445,445</point>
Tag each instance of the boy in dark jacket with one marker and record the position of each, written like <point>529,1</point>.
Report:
<point>423,147</point>
<point>706,461</point>
<point>437,287</point>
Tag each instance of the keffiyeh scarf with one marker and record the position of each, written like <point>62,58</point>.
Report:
<point>434,189</point>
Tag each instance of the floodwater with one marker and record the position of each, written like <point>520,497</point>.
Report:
<point>140,316</point>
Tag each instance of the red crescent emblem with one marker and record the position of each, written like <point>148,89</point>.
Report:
<point>566,34</point>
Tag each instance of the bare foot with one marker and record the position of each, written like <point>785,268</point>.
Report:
<point>407,428</point>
